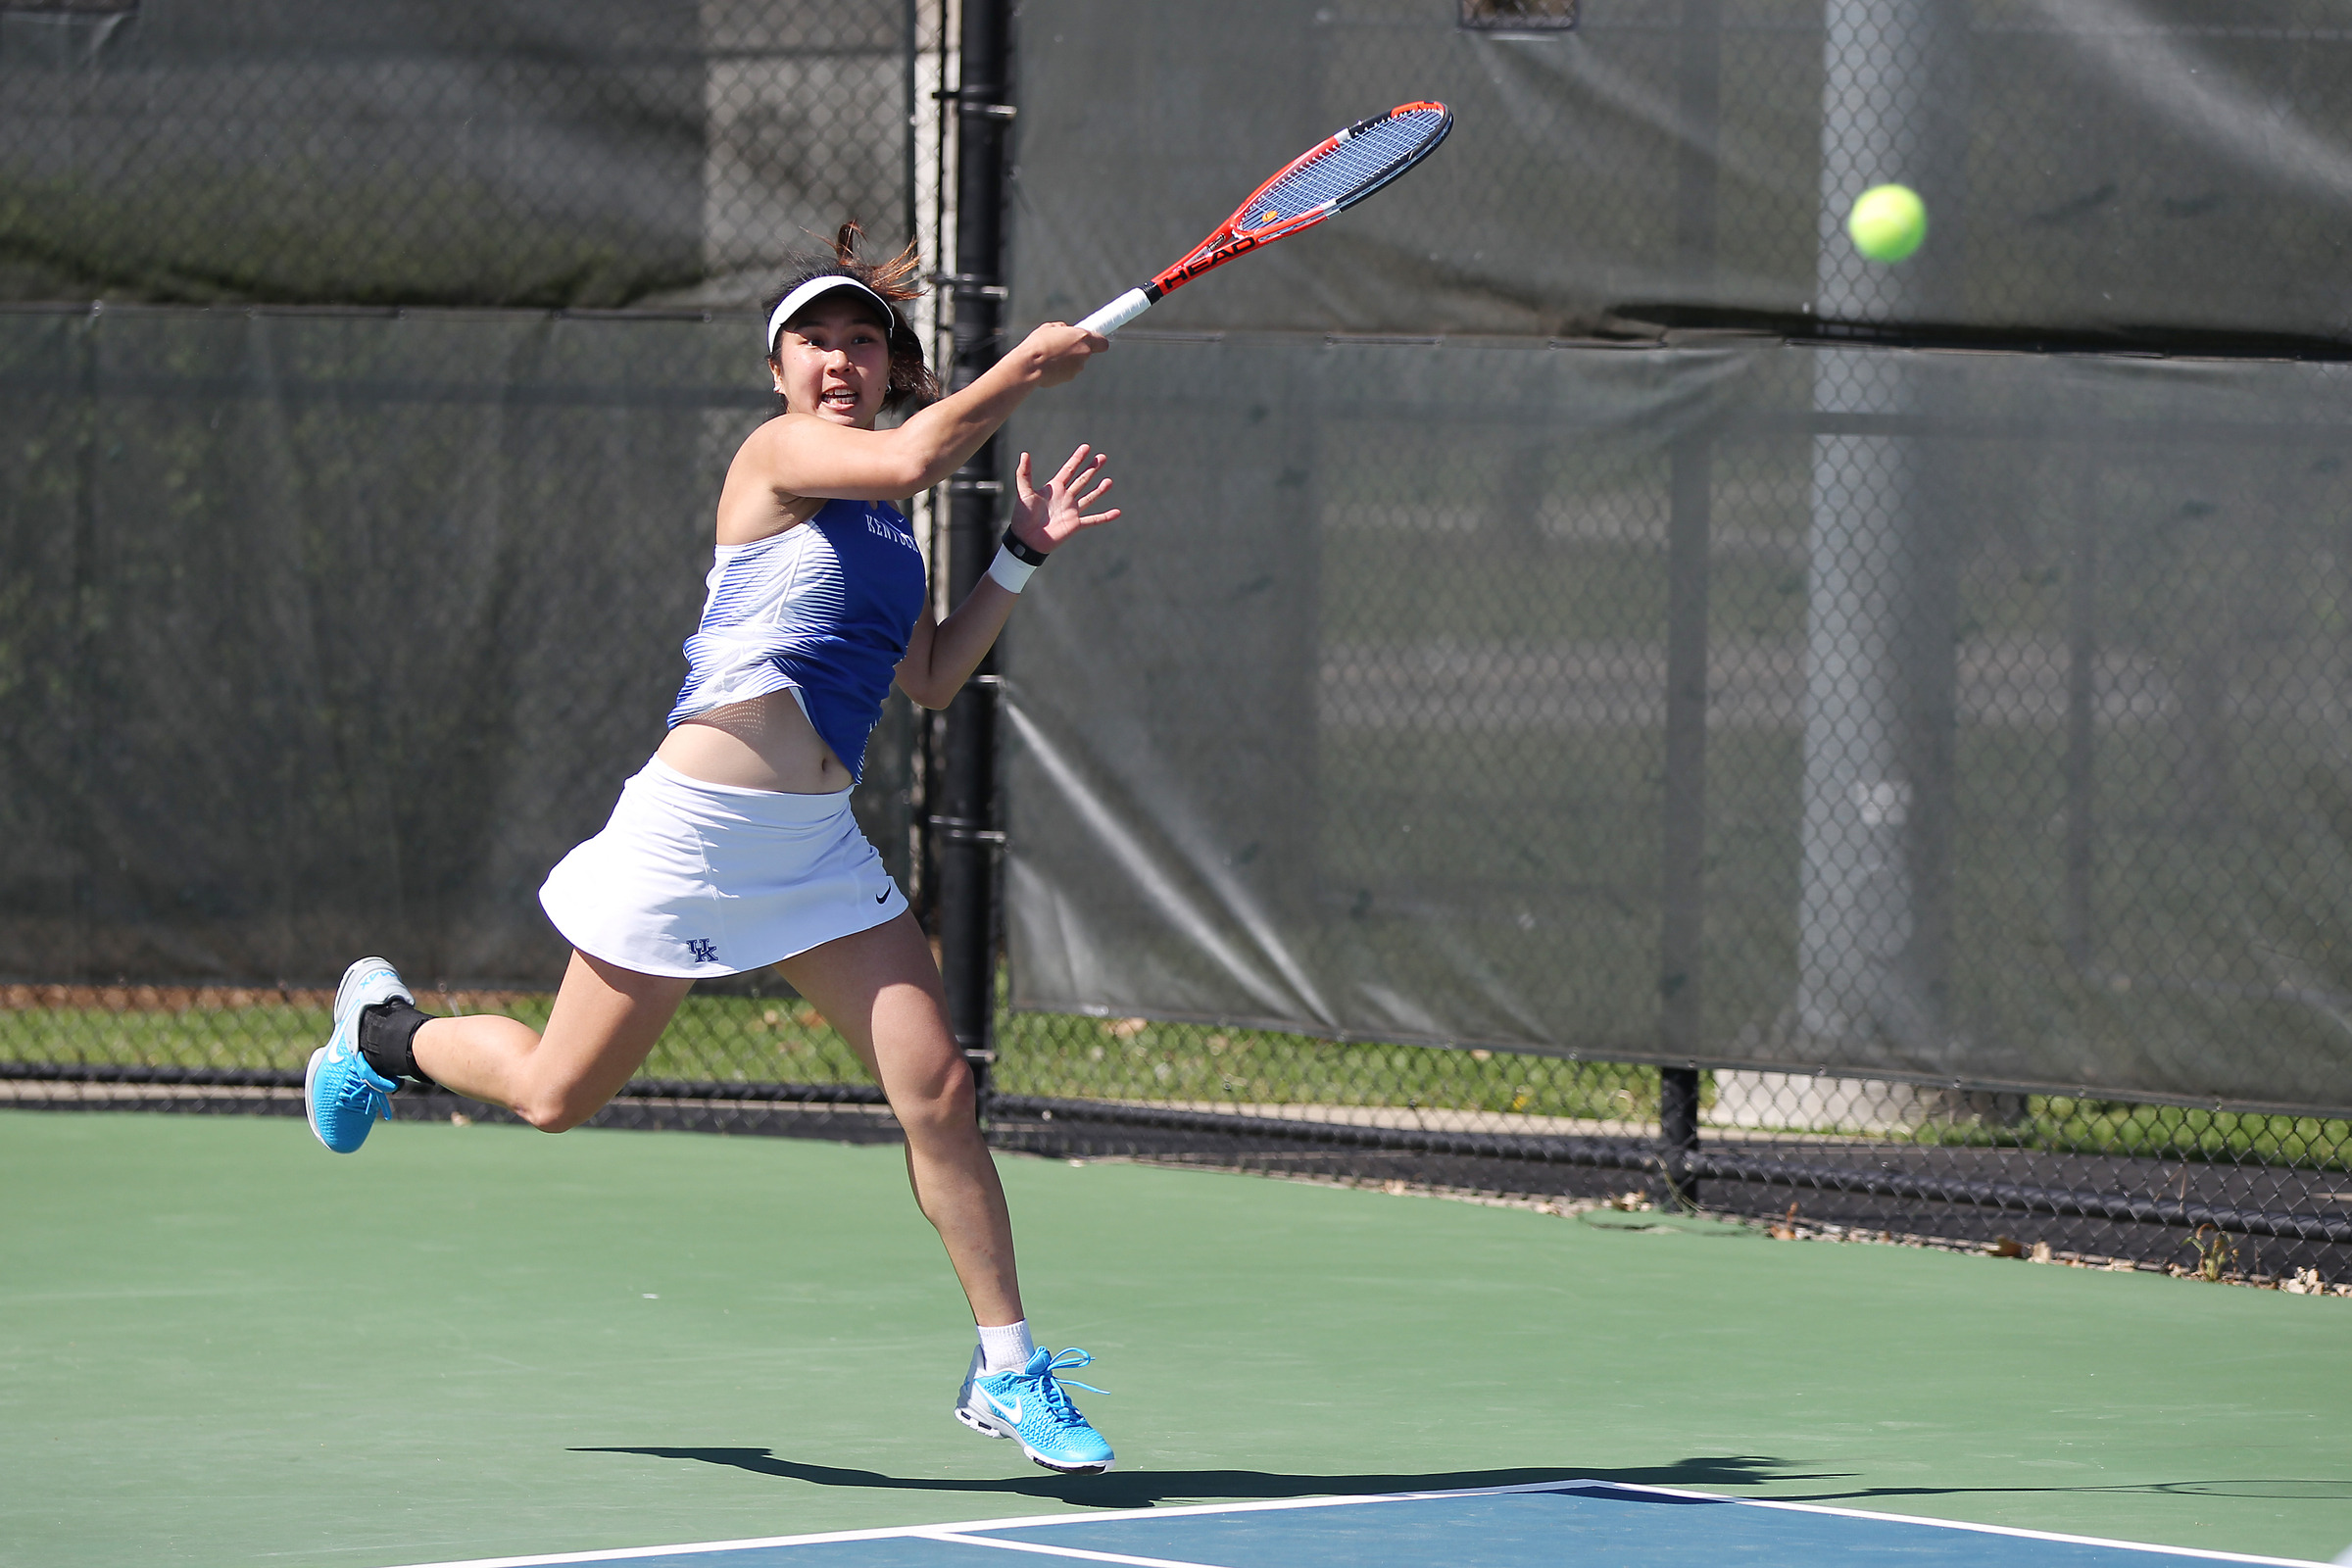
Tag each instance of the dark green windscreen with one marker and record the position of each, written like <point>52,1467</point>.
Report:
<point>561,153</point>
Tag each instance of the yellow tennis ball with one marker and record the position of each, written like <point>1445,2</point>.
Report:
<point>1887,223</point>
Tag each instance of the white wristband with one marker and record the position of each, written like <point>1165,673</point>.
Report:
<point>1012,573</point>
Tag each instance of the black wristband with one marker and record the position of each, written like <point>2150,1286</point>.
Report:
<point>1027,555</point>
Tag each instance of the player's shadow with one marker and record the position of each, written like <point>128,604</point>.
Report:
<point>1145,1489</point>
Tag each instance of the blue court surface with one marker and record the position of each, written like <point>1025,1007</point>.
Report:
<point>1591,1524</point>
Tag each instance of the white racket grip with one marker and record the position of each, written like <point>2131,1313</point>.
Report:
<point>1118,312</point>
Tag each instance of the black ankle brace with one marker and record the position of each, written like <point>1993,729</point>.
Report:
<point>389,1039</point>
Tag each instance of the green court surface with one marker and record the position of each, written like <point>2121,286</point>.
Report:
<point>220,1344</point>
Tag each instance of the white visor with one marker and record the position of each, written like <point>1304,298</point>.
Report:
<point>826,283</point>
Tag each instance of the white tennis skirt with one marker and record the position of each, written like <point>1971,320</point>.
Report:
<point>694,880</point>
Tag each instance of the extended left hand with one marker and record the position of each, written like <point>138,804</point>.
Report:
<point>1042,517</point>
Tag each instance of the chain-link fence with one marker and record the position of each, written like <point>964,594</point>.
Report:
<point>554,153</point>
<point>1906,787</point>
<point>2118,1183</point>
<point>337,630</point>
<point>332,631</point>
<point>1924,762</point>
<point>326,628</point>
<point>1953,782</point>
<point>2136,172</point>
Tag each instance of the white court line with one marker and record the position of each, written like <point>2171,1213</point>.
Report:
<point>2198,1552</point>
<point>1030,1522</point>
<point>1039,1549</point>
<point>971,1527</point>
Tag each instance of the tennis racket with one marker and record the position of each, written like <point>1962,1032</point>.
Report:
<point>1330,179</point>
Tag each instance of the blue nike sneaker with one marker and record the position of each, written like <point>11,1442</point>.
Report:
<point>347,1097</point>
<point>1030,1407</point>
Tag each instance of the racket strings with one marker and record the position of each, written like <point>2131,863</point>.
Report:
<point>1352,168</point>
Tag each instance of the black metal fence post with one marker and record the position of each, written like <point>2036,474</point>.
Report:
<point>1689,524</point>
<point>1685,818</point>
<point>964,819</point>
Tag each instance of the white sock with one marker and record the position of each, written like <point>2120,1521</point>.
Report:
<point>1007,1349</point>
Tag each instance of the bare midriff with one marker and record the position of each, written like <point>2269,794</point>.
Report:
<point>764,744</point>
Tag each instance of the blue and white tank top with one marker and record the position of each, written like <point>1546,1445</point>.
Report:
<point>823,611</point>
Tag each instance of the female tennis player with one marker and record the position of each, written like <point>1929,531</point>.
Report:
<point>734,848</point>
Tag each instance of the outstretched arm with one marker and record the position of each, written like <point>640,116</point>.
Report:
<point>941,655</point>
<point>800,455</point>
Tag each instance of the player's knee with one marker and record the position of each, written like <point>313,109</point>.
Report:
<point>943,1103</point>
<point>557,1110</point>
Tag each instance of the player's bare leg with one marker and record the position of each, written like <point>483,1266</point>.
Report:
<point>605,1023</point>
<point>881,990</point>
